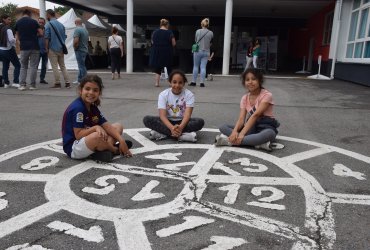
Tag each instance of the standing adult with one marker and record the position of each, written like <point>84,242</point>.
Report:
<point>161,52</point>
<point>203,37</point>
<point>55,37</point>
<point>80,44</point>
<point>115,44</point>
<point>7,52</point>
<point>43,52</point>
<point>28,30</point>
<point>256,51</point>
<point>249,56</point>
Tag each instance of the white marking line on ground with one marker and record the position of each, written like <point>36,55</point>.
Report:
<point>27,246</point>
<point>106,187</point>
<point>252,220</point>
<point>140,138</point>
<point>55,148</point>
<point>232,193</point>
<point>222,167</point>
<point>329,147</point>
<point>27,218</point>
<point>139,170</point>
<point>252,180</point>
<point>306,155</point>
<point>191,222</point>
<point>3,202</point>
<point>265,202</point>
<point>25,177</point>
<point>343,171</point>
<point>350,198</point>
<point>93,234</point>
<point>40,163</point>
<point>225,243</point>
<point>165,156</point>
<point>23,150</point>
<point>131,235</point>
<point>175,166</point>
<point>146,192</point>
<point>202,168</point>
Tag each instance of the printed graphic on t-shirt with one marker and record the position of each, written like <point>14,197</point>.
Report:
<point>178,109</point>
<point>79,117</point>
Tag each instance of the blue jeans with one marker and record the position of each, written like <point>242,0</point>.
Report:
<point>8,56</point>
<point>44,61</point>
<point>200,59</point>
<point>81,57</point>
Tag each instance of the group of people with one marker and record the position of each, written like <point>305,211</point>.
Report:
<point>41,41</point>
<point>161,53</point>
<point>86,133</point>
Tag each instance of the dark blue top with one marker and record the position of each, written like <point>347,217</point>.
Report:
<point>27,29</point>
<point>162,49</point>
<point>77,116</point>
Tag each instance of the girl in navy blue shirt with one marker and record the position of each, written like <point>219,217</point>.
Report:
<point>85,130</point>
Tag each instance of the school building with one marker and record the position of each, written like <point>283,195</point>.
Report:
<point>294,33</point>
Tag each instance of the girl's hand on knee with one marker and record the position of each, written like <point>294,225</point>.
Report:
<point>238,140</point>
<point>101,132</point>
<point>233,137</point>
<point>124,150</point>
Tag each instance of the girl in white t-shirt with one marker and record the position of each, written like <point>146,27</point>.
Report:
<point>116,52</point>
<point>175,106</point>
<point>256,125</point>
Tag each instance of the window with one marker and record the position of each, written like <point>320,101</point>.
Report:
<point>358,44</point>
<point>328,28</point>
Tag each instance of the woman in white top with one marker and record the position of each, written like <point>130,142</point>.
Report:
<point>7,51</point>
<point>115,44</point>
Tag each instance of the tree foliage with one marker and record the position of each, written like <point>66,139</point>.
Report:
<point>9,9</point>
<point>61,10</point>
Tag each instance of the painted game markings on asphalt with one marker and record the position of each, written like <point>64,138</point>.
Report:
<point>225,243</point>
<point>105,187</point>
<point>130,230</point>
<point>341,170</point>
<point>3,202</point>
<point>175,166</point>
<point>165,156</point>
<point>40,163</point>
<point>146,193</point>
<point>191,222</point>
<point>27,246</point>
<point>93,234</point>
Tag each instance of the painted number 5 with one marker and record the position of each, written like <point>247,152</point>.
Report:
<point>266,202</point>
<point>106,187</point>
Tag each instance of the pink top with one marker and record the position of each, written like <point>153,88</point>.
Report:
<point>264,96</point>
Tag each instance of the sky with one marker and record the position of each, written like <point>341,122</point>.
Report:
<point>31,3</point>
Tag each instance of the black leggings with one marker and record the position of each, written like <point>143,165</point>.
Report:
<point>115,55</point>
<point>155,123</point>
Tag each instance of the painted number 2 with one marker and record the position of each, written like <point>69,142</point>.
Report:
<point>266,202</point>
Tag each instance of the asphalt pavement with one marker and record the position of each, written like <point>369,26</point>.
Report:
<point>314,193</point>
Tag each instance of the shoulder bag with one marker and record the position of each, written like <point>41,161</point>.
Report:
<point>64,47</point>
<point>195,46</point>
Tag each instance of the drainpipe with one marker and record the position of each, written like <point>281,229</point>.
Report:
<point>335,35</point>
<point>130,36</point>
<point>227,37</point>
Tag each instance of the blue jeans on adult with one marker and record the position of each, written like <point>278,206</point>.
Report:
<point>200,58</point>
<point>8,56</point>
<point>81,57</point>
<point>44,61</point>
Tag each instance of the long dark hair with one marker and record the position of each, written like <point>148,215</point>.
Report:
<point>96,79</point>
<point>256,72</point>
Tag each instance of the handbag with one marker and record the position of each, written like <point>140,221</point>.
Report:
<point>64,47</point>
<point>195,46</point>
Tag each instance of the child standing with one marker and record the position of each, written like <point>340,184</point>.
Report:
<point>256,125</point>
<point>85,130</point>
<point>175,106</point>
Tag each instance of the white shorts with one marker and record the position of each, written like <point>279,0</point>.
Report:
<point>80,150</point>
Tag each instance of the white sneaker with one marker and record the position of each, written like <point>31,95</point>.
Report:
<point>190,137</point>
<point>265,146</point>
<point>210,77</point>
<point>21,88</point>
<point>15,85</point>
<point>76,82</point>
<point>154,135</point>
<point>6,86</point>
<point>222,140</point>
<point>32,88</point>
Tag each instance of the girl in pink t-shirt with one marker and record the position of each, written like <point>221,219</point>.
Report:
<point>256,125</point>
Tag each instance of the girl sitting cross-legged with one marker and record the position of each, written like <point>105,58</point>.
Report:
<point>175,106</point>
<point>256,125</point>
